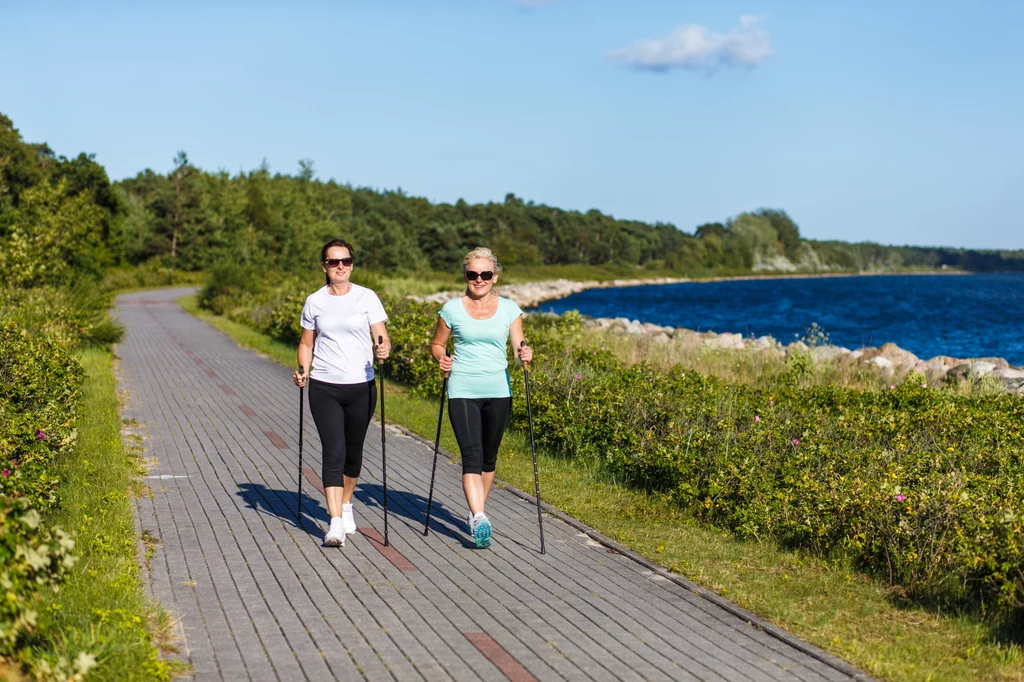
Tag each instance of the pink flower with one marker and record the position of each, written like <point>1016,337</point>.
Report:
<point>796,441</point>
<point>771,403</point>
<point>892,387</point>
<point>924,385</point>
<point>578,377</point>
<point>900,498</point>
<point>6,473</point>
<point>757,419</point>
<point>40,435</point>
<point>602,347</point>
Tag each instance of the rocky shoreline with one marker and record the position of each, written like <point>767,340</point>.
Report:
<point>532,294</point>
<point>889,361</point>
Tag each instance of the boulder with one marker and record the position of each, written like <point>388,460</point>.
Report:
<point>999,363</point>
<point>725,341</point>
<point>827,353</point>
<point>796,347</point>
<point>959,372</point>
<point>882,363</point>
<point>936,373</point>
<point>981,368</point>
<point>897,356</point>
<point>688,337</point>
<point>1011,379</point>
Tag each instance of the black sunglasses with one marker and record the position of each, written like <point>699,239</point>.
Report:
<point>485,276</point>
<point>335,262</point>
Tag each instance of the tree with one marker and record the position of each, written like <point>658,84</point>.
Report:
<point>786,231</point>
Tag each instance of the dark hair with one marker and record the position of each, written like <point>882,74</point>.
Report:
<point>335,242</point>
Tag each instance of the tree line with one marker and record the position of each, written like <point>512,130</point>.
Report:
<point>58,213</point>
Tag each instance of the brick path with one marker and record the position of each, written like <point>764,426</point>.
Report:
<point>258,597</point>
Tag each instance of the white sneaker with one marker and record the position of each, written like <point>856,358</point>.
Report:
<point>336,534</point>
<point>348,519</point>
<point>470,522</point>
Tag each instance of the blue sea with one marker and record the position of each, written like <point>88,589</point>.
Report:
<point>966,316</point>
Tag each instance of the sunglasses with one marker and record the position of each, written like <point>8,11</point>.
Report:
<point>335,262</point>
<point>485,276</point>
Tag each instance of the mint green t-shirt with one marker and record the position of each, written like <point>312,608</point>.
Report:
<point>480,361</point>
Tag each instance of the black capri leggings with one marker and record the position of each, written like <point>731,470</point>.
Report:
<point>479,424</point>
<point>342,414</point>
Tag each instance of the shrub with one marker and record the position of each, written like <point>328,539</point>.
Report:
<point>922,488</point>
<point>32,559</point>
<point>40,380</point>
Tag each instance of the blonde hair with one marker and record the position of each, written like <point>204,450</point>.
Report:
<point>481,252</point>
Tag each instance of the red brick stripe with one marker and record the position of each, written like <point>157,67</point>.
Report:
<point>501,659</point>
<point>389,552</point>
<point>227,389</point>
<point>247,411</point>
<point>314,479</point>
<point>210,373</point>
<point>198,361</point>
<point>188,352</point>
<point>276,440</point>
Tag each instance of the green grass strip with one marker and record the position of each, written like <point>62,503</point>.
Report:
<point>832,606</point>
<point>102,609</point>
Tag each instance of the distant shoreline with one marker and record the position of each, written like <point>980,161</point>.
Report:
<point>532,294</point>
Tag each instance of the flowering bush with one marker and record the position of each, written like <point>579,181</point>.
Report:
<point>40,380</point>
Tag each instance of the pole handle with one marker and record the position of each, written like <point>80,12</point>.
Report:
<point>447,354</point>
<point>526,365</point>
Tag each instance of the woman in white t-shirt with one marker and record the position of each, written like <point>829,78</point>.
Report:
<point>339,325</point>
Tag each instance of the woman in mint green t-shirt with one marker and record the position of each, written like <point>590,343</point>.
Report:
<point>479,389</point>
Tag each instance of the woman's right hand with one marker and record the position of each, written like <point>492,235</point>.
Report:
<point>300,378</point>
<point>445,363</point>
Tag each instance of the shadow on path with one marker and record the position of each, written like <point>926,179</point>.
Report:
<point>282,503</point>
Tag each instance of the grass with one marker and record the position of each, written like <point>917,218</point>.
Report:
<point>829,605</point>
<point>102,609</point>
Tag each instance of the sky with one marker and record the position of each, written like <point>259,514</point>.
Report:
<point>894,122</point>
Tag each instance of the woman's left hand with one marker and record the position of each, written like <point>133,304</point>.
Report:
<point>525,354</point>
<point>382,351</point>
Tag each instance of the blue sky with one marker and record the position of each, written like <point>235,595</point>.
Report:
<point>901,123</point>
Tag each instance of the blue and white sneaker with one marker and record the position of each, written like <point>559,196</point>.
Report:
<point>481,531</point>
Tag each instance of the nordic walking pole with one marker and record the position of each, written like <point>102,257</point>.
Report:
<point>383,454</point>
<point>298,502</point>
<point>533,449</point>
<point>437,444</point>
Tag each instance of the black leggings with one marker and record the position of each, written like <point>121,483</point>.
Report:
<point>479,424</point>
<point>342,414</point>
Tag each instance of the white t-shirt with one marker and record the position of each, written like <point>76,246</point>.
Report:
<point>343,349</point>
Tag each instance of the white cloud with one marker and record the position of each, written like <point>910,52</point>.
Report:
<point>696,47</point>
